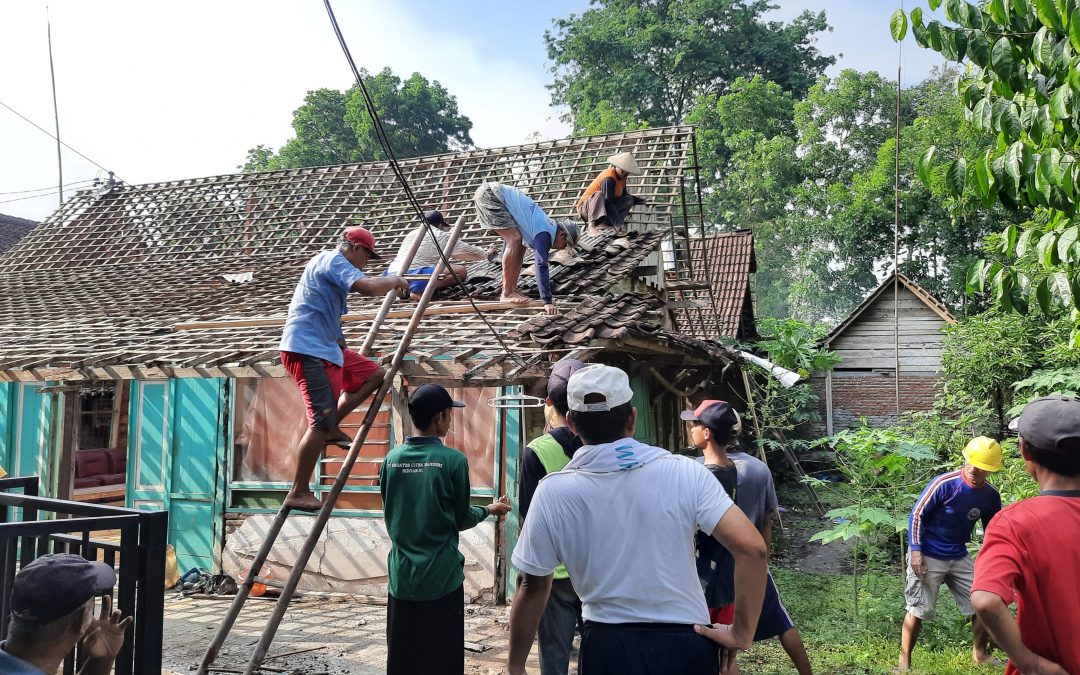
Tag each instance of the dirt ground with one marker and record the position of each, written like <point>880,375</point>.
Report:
<point>348,635</point>
<point>343,636</point>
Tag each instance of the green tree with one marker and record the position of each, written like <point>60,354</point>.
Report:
<point>1024,87</point>
<point>624,63</point>
<point>333,127</point>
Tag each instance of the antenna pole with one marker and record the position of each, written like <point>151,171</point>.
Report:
<point>56,111</point>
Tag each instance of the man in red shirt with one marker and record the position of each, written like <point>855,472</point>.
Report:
<point>1031,551</point>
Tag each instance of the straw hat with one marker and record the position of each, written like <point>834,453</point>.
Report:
<point>625,161</point>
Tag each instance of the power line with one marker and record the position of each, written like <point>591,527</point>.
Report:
<point>384,142</point>
<point>39,128</point>
<point>46,189</point>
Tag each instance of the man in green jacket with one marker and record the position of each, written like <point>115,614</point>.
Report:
<point>425,492</point>
<point>547,454</point>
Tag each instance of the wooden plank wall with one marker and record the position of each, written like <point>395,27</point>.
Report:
<point>868,343</point>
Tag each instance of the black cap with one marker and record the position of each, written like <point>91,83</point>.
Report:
<point>429,399</point>
<point>560,375</point>
<point>717,416</point>
<point>1051,424</point>
<point>56,585</point>
<point>435,218</point>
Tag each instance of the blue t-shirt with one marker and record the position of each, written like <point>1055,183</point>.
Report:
<point>944,515</point>
<point>314,323</point>
<point>530,218</point>
<point>9,665</point>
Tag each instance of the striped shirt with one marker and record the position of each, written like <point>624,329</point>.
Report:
<point>945,513</point>
<point>428,254</point>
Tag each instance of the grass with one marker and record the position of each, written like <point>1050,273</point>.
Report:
<point>839,642</point>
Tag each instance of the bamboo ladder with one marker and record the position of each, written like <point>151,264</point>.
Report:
<point>323,517</point>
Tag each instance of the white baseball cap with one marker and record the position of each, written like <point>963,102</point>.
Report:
<point>611,383</point>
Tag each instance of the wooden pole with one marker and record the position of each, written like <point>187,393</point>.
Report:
<point>56,110</point>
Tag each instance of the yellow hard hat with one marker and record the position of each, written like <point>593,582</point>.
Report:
<point>983,453</point>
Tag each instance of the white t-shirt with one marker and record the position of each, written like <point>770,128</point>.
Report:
<point>626,537</point>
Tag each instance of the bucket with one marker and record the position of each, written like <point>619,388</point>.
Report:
<point>172,571</point>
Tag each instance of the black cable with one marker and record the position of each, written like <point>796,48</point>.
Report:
<point>384,141</point>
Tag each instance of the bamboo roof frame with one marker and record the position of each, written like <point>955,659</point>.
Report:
<point>95,291</point>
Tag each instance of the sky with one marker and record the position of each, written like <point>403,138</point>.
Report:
<point>156,91</point>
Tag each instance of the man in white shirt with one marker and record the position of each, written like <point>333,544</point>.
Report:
<point>427,256</point>
<point>621,516</point>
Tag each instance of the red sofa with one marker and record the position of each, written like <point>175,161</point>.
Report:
<point>101,466</point>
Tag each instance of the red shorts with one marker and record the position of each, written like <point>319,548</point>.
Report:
<point>724,615</point>
<point>322,382</point>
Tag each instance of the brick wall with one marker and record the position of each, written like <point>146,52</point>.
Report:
<point>872,396</point>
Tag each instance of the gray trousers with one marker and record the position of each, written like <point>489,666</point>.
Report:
<point>556,634</point>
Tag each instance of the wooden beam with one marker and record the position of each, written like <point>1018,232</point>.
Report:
<point>462,307</point>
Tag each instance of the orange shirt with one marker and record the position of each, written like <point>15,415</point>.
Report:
<point>620,185</point>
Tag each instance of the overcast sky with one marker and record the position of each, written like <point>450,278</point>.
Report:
<point>161,91</point>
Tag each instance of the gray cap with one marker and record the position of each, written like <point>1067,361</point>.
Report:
<point>1051,424</point>
<point>573,232</point>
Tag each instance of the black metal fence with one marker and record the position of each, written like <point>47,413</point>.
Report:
<point>32,526</point>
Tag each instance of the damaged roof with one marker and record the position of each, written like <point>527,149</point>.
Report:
<point>13,229</point>
<point>139,260</point>
<point>731,262</point>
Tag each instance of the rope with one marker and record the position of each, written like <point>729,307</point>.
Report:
<point>384,142</point>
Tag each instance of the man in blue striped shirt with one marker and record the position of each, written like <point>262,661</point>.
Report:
<point>939,530</point>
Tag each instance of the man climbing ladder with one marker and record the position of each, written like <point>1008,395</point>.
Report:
<point>313,350</point>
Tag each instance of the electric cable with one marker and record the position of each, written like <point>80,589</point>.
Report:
<point>384,142</point>
<point>46,189</point>
<point>39,128</point>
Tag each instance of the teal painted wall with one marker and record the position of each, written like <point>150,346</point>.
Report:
<point>176,452</point>
<point>7,424</point>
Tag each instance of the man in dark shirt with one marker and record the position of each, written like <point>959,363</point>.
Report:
<point>548,454</point>
<point>713,426</point>
<point>425,492</point>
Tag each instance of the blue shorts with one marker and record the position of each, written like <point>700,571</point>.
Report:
<point>416,286</point>
<point>774,620</point>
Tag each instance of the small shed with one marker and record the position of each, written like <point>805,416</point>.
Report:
<point>890,347</point>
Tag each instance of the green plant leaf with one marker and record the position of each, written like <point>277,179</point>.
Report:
<point>1043,296</point>
<point>1008,238</point>
<point>916,17</point>
<point>984,176</point>
<point>898,25</point>
<point>1023,243</point>
<point>925,163</point>
<point>1001,58</point>
<point>1074,29</point>
<point>1059,102</point>
<point>956,177</point>
<point>1042,47</point>
<point>978,48</point>
<point>1065,244</point>
<point>1047,11</point>
<point>1010,122</point>
<point>933,31</point>
<point>997,11</point>
<point>1046,249</point>
<point>1062,288</point>
<point>933,4</point>
<point>976,277</point>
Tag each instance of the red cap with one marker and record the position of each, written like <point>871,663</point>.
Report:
<point>361,236</point>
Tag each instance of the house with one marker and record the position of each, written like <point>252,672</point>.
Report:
<point>13,229</point>
<point>124,316</point>
<point>726,307</point>
<point>885,332</point>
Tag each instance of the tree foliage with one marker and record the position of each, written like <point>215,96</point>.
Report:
<point>624,63</point>
<point>1023,87</point>
<point>333,127</point>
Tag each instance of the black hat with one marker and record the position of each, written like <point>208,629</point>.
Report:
<point>717,416</point>
<point>56,585</point>
<point>430,399</point>
<point>435,218</point>
<point>1051,424</point>
<point>560,375</point>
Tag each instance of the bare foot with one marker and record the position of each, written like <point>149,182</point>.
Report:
<point>340,439</point>
<point>985,660</point>
<point>306,502</point>
<point>516,298</point>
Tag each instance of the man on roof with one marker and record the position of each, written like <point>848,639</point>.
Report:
<point>333,379</point>
<point>427,256</point>
<point>606,202</point>
<point>521,224</point>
